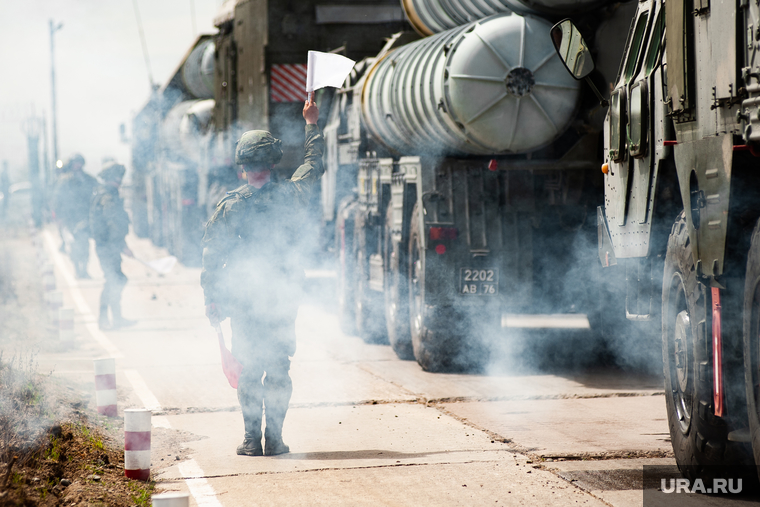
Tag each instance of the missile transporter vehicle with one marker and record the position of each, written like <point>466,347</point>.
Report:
<point>462,179</point>
<point>168,141</point>
<point>251,74</point>
<point>681,210</point>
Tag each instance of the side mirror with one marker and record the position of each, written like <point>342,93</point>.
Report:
<point>572,49</point>
<point>574,53</point>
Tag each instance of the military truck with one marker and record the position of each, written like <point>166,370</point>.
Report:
<point>681,212</point>
<point>169,138</point>
<point>250,74</point>
<point>462,175</point>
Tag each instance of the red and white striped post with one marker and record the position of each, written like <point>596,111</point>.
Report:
<point>105,386</point>
<point>66,324</point>
<point>170,500</point>
<point>137,443</point>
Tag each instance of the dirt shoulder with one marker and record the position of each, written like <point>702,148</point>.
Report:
<point>54,447</point>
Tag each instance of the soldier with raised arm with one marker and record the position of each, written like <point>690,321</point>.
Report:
<point>252,274</point>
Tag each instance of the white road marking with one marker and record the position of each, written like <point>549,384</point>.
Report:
<point>140,388</point>
<point>199,487</point>
<point>202,491</point>
<point>79,299</point>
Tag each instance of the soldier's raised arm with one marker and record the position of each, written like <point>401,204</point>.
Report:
<point>312,168</point>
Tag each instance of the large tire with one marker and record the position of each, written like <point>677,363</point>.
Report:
<point>438,332</point>
<point>699,438</point>
<point>752,341</point>
<point>395,289</point>
<point>346,277</point>
<point>368,304</point>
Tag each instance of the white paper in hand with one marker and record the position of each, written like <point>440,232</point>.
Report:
<point>327,69</point>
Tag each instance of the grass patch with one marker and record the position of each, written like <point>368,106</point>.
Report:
<point>55,452</point>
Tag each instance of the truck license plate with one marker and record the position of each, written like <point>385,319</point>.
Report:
<point>478,282</point>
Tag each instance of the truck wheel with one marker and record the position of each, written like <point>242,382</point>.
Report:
<point>435,330</point>
<point>345,237</point>
<point>368,307</point>
<point>395,290</point>
<point>699,438</point>
<point>752,341</point>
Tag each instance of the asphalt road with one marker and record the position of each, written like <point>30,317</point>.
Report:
<point>364,427</point>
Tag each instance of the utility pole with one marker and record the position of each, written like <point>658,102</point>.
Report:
<point>54,28</point>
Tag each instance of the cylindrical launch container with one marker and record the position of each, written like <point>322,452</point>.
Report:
<point>54,303</point>
<point>105,386</point>
<point>434,16</point>
<point>137,443</point>
<point>66,324</point>
<point>198,70</point>
<point>170,500</point>
<point>491,87</point>
<point>181,130</point>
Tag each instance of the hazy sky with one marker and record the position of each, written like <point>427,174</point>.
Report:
<point>101,75</point>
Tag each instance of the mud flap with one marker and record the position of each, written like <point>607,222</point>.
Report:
<point>606,252</point>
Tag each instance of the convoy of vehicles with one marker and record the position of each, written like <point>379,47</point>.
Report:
<point>462,167</point>
<point>462,176</point>
<point>681,213</point>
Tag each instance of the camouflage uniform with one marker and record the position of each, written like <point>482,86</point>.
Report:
<point>109,224</point>
<point>71,203</point>
<point>251,271</point>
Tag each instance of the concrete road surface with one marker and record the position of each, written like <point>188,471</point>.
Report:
<point>364,428</point>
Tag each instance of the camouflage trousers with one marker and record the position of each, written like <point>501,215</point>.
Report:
<point>263,347</point>
<point>110,263</point>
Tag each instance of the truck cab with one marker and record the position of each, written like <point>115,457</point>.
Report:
<point>681,213</point>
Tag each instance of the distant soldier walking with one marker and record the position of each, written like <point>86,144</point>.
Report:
<point>251,273</point>
<point>73,194</point>
<point>109,224</point>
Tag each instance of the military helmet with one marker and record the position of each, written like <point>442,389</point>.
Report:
<point>258,147</point>
<point>76,158</point>
<point>112,172</point>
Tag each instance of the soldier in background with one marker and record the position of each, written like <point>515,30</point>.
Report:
<point>109,225</point>
<point>251,273</point>
<point>73,194</point>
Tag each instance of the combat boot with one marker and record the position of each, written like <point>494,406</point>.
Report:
<point>273,444</point>
<point>277,391</point>
<point>251,445</point>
